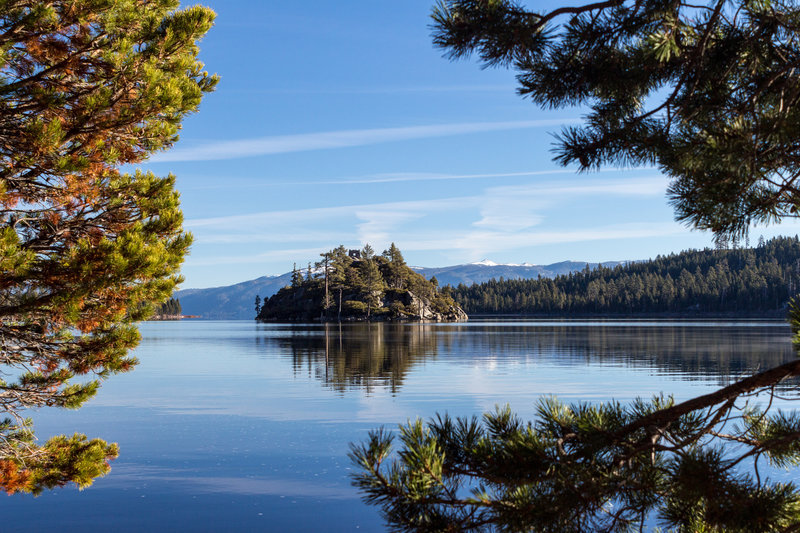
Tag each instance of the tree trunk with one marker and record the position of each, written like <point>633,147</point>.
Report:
<point>327,301</point>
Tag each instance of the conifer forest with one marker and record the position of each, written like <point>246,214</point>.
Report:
<point>745,281</point>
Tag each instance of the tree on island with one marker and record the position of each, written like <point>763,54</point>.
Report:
<point>395,265</point>
<point>372,283</point>
<point>338,276</point>
<point>709,93</point>
<point>85,251</point>
<point>297,276</point>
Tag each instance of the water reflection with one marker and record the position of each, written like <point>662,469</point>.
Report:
<point>347,356</point>
<point>230,425</point>
<point>363,355</point>
<point>695,350</point>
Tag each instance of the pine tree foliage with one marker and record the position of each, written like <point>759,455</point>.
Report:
<point>745,281</point>
<point>707,91</point>
<point>606,467</point>
<point>85,250</point>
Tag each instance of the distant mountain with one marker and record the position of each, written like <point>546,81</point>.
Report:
<point>486,270</point>
<point>238,301</point>
<point>233,302</point>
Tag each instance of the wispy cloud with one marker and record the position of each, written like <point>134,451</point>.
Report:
<point>515,208</point>
<point>258,182</point>
<point>479,243</point>
<point>268,219</point>
<point>281,144</point>
<point>424,176</point>
<point>378,225</point>
<point>473,244</point>
<point>634,186</point>
<point>265,219</point>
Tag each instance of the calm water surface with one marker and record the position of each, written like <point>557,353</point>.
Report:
<point>233,426</point>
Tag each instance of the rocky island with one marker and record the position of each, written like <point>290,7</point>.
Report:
<point>359,285</point>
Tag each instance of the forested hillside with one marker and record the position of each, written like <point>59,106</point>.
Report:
<point>740,281</point>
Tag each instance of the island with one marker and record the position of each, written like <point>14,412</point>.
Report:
<point>169,310</point>
<point>360,285</point>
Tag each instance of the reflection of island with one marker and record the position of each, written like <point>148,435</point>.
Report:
<point>365,355</point>
<point>360,355</point>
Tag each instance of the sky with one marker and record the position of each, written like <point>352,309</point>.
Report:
<point>340,123</point>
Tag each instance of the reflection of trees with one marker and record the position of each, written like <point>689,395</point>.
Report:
<point>704,351</point>
<point>364,355</point>
<point>361,355</point>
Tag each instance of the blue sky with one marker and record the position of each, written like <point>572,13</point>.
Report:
<point>339,123</point>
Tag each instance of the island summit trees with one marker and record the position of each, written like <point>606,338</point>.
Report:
<point>85,251</point>
<point>709,93</point>
<point>359,285</point>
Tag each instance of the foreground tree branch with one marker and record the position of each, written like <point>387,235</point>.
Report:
<point>606,467</point>
<point>709,93</point>
<point>85,251</point>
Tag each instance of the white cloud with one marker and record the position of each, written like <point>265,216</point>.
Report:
<point>264,220</point>
<point>281,144</point>
<point>508,220</point>
<point>510,210</point>
<point>259,182</point>
<point>275,237</point>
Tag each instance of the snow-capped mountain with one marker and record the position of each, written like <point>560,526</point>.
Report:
<point>486,270</point>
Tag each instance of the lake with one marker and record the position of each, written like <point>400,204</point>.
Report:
<point>236,426</point>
